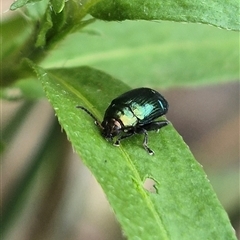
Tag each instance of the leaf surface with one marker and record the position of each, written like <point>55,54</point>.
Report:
<point>184,205</point>
<point>220,13</point>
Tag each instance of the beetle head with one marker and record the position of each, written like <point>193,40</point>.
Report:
<point>111,128</point>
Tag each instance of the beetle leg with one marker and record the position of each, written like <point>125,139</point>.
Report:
<point>145,142</point>
<point>126,135</point>
<point>150,127</point>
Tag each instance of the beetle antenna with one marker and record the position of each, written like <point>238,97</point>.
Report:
<point>90,114</point>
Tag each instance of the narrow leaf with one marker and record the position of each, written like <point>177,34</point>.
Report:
<point>44,28</point>
<point>20,3</point>
<point>158,54</point>
<point>220,13</point>
<point>183,206</point>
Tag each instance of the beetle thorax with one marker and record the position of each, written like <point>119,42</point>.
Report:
<point>111,128</point>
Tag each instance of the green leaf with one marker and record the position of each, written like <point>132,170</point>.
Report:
<point>44,28</point>
<point>15,36</point>
<point>37,10</point>
<point>12,38</point>
<point>20,3</point>
<point>60,22</point>
<point>184,205</point>
<point>168,55</point>
<point>58,5</point>
<point>220,13</point>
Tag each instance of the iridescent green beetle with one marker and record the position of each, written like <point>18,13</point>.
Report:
<point>132,113</point>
